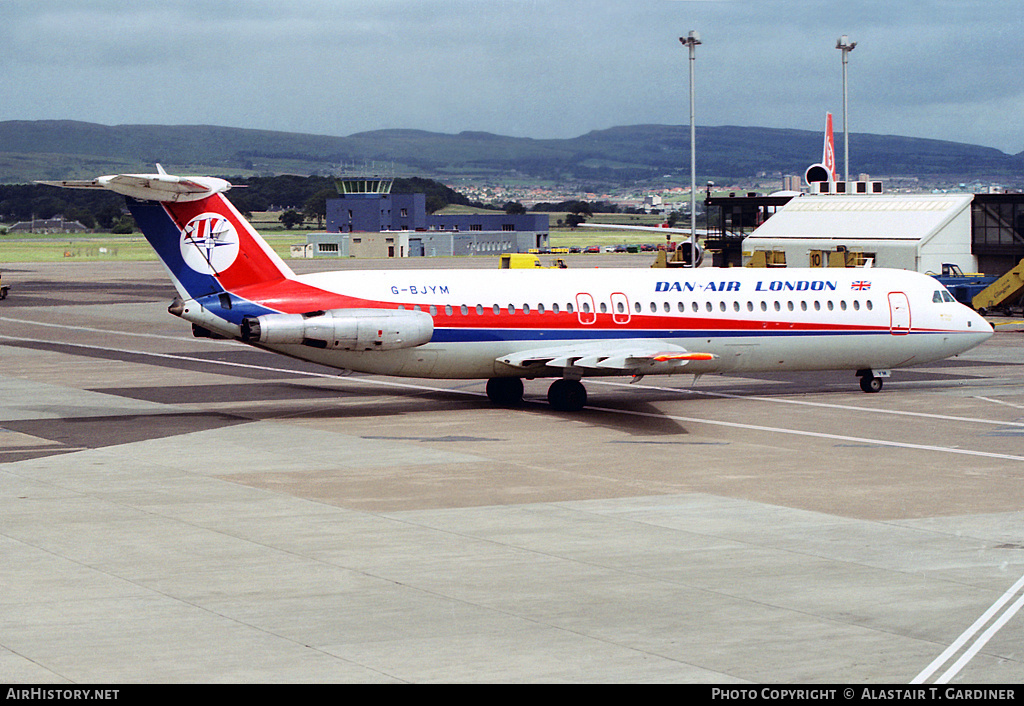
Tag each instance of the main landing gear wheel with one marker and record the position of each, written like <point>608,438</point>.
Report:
<point>505,391</point>
<point>869,383</point>
<point>567,395</point>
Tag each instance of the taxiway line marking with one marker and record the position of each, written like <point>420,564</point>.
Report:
<point>99,330</point>
<point>1008,404</point>
<point>814,434</point>
<point>704,393</point>
<point>825,405</point>
<point>980,642</point>
<point>692,420</point>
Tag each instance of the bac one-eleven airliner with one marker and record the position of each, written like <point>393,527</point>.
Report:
<point>506,325</point>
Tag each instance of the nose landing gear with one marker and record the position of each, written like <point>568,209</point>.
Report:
<point>871,380</point>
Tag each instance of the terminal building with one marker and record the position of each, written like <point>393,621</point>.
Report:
<point>368,221</point>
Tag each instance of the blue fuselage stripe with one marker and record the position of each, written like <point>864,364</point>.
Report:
<point>461,335</point>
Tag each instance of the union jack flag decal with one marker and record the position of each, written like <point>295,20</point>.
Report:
<point>860,285</point>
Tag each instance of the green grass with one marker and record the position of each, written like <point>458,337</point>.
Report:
<point>28,247</point>
<point>98,248</point>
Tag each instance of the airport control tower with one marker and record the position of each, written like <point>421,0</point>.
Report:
<point>363,186</point>
<point>366,205</point>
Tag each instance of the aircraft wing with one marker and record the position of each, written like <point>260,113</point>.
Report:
<point>632,357</point>
<point>650,229</point>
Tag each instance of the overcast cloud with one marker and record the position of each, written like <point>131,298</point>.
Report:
<point>946,69</point>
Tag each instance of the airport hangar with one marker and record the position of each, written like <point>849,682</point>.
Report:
<point>368,221</point>
<point>977,232</point>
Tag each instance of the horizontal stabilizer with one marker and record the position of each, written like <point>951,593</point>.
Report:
<point>162,187</point>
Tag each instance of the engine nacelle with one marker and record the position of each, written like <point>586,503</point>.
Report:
<point>343,329</point>
<point>818,173</point>
<point>688,255</point>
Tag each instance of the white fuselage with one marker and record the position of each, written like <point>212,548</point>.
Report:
<point>749,319</point>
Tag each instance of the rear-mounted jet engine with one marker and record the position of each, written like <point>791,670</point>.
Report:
<point>342,329</point>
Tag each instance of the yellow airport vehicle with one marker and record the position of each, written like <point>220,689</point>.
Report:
<point>517,261</point>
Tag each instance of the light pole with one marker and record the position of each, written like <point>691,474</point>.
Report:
<point>846,46</point>
<point>691,41</point>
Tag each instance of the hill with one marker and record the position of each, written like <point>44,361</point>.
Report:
<point>31,150</point>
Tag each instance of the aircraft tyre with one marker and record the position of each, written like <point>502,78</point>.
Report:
<point>567,395</point>
<point>869,383</point>
<point>507,392</point>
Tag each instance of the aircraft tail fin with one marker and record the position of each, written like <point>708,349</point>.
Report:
<point>828,151</point>
<point>207,246</point>
<point>825,170</point>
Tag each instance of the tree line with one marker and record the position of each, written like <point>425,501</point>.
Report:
<point>103,210</point>
<point>299,199</point>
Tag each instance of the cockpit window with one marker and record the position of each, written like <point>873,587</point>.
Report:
<point>941,295</point>
<point>946,296</point>
<point>937,297</point>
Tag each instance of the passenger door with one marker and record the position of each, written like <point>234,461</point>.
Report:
<point>899,314</point>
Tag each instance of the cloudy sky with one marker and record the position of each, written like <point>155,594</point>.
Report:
<point>943,69</point>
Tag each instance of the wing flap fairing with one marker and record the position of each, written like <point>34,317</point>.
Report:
<point>632,357</point>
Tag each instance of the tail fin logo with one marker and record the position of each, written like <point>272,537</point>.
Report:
<point>209,243</point>
<point>828,156</point>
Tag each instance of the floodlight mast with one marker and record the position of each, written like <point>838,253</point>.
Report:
<point>846,46</point>
<point>691,41</point>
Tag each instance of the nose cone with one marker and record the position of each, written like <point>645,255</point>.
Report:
<point>981,325</point>
<point>978,330</point>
